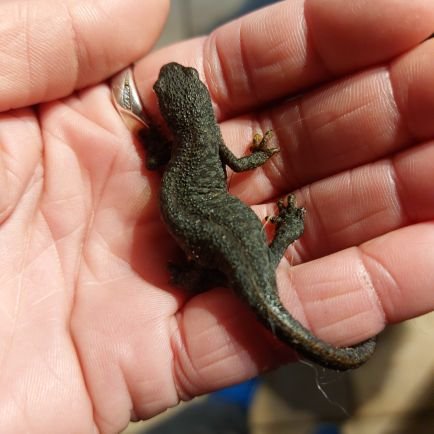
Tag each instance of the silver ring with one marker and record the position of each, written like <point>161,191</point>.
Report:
<point>127,101</point>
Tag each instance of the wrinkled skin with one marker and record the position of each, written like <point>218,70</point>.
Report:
<point>91,333</point>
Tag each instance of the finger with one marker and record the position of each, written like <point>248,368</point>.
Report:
<point>393,271</point>
<point>50,48</point>
<point>350,123</point>
<point>294,45</point>
<point>359,205</point>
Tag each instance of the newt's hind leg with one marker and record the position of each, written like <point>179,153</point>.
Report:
<point>289,226</point>
<point>194,278</point>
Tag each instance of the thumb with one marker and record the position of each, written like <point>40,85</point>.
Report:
<point>49,48</point>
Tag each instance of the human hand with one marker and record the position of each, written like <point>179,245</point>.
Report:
<point>91,331</point>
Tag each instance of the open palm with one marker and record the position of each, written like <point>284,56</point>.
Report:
<point>91,333</point>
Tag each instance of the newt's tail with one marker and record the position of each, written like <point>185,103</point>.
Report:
<point>282,324</point>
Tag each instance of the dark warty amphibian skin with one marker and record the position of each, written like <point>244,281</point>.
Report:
<point>222,237</point>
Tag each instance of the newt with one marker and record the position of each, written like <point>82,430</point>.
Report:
<point>221,236</point>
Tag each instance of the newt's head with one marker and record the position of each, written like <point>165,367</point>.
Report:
<point>183,99</point>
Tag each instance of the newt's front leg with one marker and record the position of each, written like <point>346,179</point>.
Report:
<point>261,152</point>
<point>158,147</point>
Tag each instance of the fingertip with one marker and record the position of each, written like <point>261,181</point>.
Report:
<point>350,35</point>
<point>412,78</point>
